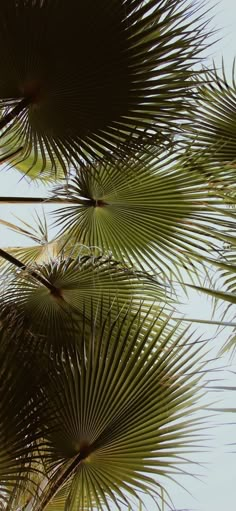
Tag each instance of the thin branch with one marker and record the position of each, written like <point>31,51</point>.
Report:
<point>206,321</point>
<point>38,200</point>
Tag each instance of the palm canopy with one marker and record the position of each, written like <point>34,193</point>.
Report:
<point>99,384</point>
<point>81,78</point>
<point>115,418</point>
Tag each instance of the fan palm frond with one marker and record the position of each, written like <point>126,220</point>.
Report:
<point>81,79</point>
<point>213,129</point>
<point>57,310</point>
<point>35,166</point>
<point>118,416</point>
<point>150,210</point>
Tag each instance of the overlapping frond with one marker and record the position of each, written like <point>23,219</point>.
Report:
<point>57,311</point>
<point>99,384</point>
<point>58,502</point>
<point>118,416</point>
<point>83,78</point>
<point>36,167</point>
<point>212,132</point>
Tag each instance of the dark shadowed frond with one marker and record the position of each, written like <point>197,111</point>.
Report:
<point>118,417</point>
<point>81,78</point>
<point>19,421</point>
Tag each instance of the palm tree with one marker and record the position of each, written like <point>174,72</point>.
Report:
<point>100,383</point>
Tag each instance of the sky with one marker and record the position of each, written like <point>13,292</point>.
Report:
<point>215,489</point>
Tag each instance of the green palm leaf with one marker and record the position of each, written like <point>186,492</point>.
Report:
<point>58,503</point>
<point>213,129</point>
<point>151,211</point>
<point>118,416</point>
<point>81,78</point>
<point>56,311</point>
<point>35,166</point>
<point>223,290</point>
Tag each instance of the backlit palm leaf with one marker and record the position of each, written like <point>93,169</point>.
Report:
<point>213,130</point>
<point>81,78</point>
<point>118,417</point>
<point>58,503</point>
<point>150,210</point>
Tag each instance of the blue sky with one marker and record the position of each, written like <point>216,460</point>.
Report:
<point>215,491</point>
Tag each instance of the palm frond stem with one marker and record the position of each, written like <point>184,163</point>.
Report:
<point>45,200</point>
<point>13,260</point>
<point>55,483</point>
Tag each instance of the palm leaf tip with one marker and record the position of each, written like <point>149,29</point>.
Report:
<point>213,132</point>
<point>118,417</point>
<point>69,96</point>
